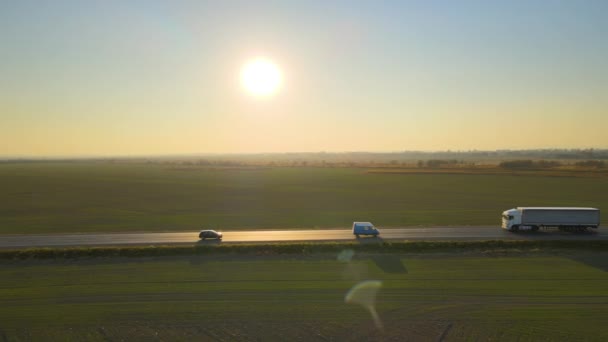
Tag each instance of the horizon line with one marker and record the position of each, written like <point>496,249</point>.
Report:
<point>219,154</point>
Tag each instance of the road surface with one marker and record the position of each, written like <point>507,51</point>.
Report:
<point>435,233</point>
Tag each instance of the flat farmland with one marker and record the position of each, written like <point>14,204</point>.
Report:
<point>424,297</point>
<point>56,197</point>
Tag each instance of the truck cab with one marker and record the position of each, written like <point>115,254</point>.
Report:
<point>511,219</point>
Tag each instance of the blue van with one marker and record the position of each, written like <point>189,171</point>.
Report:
<point>364,228</point>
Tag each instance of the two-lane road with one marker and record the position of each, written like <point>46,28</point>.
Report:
<point>434,233</point>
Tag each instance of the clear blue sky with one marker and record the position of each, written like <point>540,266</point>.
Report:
<point>158,77</point>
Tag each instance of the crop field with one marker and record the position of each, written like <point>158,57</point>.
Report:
<point>98,196</point>
<point>422,297</point>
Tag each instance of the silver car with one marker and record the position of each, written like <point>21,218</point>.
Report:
<point>209,234</point>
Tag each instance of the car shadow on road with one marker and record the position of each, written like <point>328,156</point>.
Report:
<point>370,240</point>
<point>389,264</point>
<point>208,242</point>
<point>201,259</point>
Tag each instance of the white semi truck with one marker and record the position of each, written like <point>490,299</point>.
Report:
<point>564,218</point>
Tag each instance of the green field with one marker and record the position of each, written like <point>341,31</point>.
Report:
<point>535,297</point>
<point>102,196</point>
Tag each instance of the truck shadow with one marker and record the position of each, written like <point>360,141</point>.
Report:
<point>596,261</point>
<point>554,232</point>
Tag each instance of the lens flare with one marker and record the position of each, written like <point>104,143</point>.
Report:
<point>364,294</point>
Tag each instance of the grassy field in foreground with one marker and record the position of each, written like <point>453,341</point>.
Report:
<point>247,297</point>
<point>96,196</point>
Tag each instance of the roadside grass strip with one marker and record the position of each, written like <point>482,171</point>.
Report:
<point>308,248</point>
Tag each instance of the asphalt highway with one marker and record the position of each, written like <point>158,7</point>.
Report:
<point>413,233</point>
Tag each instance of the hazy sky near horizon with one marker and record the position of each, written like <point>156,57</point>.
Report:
<point>161,77</point>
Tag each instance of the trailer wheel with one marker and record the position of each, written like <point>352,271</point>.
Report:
<point>534,228</point>
<point>515,228</point>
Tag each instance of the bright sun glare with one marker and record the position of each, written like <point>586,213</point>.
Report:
<point>261,77</point>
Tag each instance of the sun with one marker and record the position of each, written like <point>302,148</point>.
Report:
<point>261,77</point>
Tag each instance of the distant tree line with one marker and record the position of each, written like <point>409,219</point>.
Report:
<point>591,164</point>
<point>435,163</point>
<point>529,164</point>
<point>547,164</point>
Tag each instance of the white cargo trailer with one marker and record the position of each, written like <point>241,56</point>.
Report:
<point>564,218</point>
